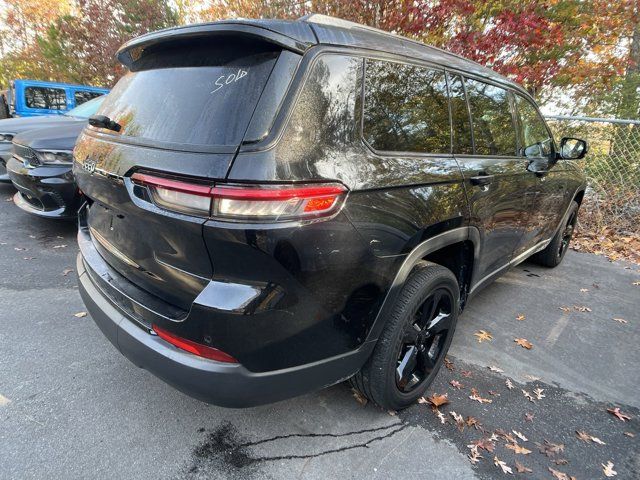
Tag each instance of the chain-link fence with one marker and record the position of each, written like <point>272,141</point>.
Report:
<point>612,167</point>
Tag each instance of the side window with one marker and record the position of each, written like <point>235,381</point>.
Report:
<point>493,129</point>
<point>460,117</point>
<point>536,141</point>
<point>45,97</point>
<point>82,96</point>
<point>406,108</point>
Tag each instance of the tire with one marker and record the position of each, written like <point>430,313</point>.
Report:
<point>430,296</point>
<point>554,253</point>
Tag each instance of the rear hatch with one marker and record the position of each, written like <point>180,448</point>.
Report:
<point>183,111</point>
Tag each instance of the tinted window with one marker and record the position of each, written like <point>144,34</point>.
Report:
<point>45,97</point>
<point>533,131</point>
<point>406,108</point>
<point>460,117</point>
<point>81,97</point>
<point>198,94</point>
<point>493,129</point>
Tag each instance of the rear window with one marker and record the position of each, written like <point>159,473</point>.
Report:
<point>81,96</point>
<point>196,94</point>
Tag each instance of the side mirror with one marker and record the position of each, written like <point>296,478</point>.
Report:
<point>573,148</point>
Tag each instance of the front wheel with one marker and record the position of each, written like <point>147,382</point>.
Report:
<point>553,254</point>
<point>414,341</point>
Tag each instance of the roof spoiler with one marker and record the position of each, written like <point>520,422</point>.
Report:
<point>294,36</point>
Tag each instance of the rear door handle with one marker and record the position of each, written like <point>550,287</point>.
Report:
<point>481,180</point>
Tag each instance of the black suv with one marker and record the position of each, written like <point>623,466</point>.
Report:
<point>274,207</point>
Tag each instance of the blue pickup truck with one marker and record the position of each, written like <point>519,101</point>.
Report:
<point>28,98</point>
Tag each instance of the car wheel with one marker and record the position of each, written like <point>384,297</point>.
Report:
<point>553,254</point>
<point>414,341</point>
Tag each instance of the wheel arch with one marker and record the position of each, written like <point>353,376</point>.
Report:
<point>449,249</point>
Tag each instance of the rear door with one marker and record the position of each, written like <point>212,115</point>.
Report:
<point>496,178</point>
<point>183,111</point>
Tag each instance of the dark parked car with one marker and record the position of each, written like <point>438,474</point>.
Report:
<point>315,204</point>
<point>11,127</point>
<point>40,167</point>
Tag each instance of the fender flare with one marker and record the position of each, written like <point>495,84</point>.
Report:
<point>426,247</point>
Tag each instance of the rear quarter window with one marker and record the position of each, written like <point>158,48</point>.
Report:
<point>195,94</point>
<point>406,108</point>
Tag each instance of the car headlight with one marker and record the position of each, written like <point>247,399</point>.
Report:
<point>55,157</point>
<point>6,137</point>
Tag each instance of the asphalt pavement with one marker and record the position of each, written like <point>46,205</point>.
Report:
<point>72,407</point>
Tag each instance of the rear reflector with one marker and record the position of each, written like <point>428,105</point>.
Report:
<point>194,347</point>
<point>257,203</point>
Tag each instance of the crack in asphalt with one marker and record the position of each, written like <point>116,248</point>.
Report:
<point>222,448</point>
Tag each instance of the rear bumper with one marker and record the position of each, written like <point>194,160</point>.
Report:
<point>48,192</point>
<point>223,384</point>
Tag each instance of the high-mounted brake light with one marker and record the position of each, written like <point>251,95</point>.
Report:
<point>245,202</point>
<point>194,347</point>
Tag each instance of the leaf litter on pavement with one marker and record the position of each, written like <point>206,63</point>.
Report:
<point>511,443</point>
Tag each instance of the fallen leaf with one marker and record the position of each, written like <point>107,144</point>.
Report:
<point>474,456</point>
<point>597,440</point>
<point>608,469</point>
<point>620,415</point>
<point>636,283</point>
<point>502,465</point>
<point>28,258</point>
<point>621,320</point>
<point>361,399</point>
<point>565,309</point>
<point>466,373</point>
<point>459,419</point>
<point>476,396</point>
<point>80,314</point>
<point>518,449</point>
<point>59,246</point>
<point>393,413</point>
<point>524,343</point>
<point>493,393</point>
<point>528,396</point>
<point>521,317</point>
<point>561,461</point>
<point>483,335</point>
<point>485,444</point>
<point>538,393</point>
<point>456,384</point>
<point>581,308</point>
<point>67,271</point>
<point>493,368</point>
<point>550,449</point>
<point>533,378</point>
<point>508,384</point>
<point>440,416</point>
<point>520,436</point>
<point>473,422</point>
<point>438,400</point>
<point>520,468</point>
<point>449,364</point>
<point>20,249</point>
<point>582,435</point>
<point>560,475</point>
<point>630,434</point>
<point>528,417</point>
<point>583,290</point>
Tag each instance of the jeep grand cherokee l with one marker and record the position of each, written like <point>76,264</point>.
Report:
<point>274,207</point>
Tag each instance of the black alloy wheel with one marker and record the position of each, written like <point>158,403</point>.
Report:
<point>424,338</point>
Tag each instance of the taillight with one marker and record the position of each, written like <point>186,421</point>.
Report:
<point>194,347</point>
<point>257,203</point>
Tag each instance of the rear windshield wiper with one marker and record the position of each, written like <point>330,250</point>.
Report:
<point>102,121</point>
